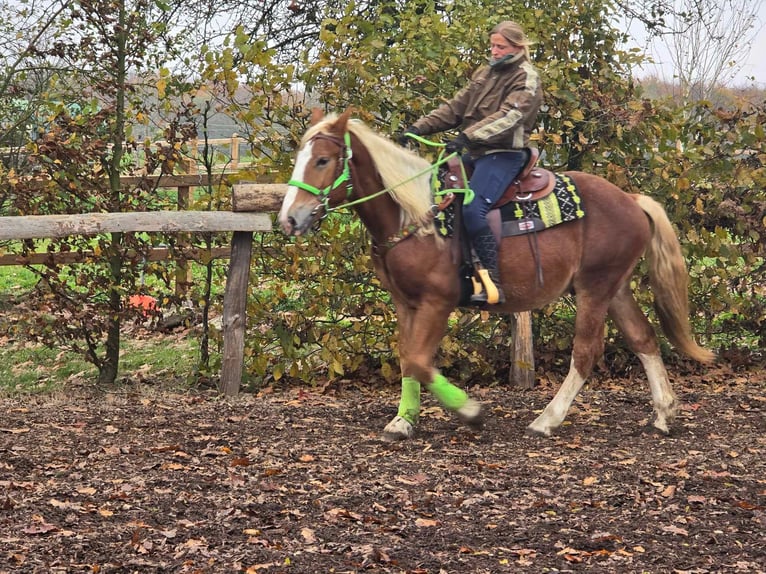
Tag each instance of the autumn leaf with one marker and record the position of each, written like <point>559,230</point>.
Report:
<point>335,513</point>
<point>16,430</point>
<point>256,568</point>
<point>672,529</point>
<point>426,522</point>
<point>412,479</point>
<point>172,466</point>
<point>669,491</point>
<point>747,505</point>
<point>39,527</point>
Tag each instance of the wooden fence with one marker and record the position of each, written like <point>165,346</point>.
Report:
<point>182,255</point>
<point>249,217</point>
<point>229,149</point>
<point>251,204</point>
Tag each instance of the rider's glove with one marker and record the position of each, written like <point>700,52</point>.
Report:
<point>404,140</point>
<point>457,145</point>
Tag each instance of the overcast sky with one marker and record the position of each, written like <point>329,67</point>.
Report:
<point>753,66</point>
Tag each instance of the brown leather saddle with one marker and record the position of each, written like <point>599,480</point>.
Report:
<point>533,182</point>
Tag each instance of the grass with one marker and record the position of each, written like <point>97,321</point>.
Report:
<point>27,368</point>
<point>32,368</point>
<point>16,279</point>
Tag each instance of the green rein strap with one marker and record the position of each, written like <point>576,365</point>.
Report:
<point>345,177</point>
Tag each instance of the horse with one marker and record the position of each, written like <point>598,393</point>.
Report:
<point>341,162</point>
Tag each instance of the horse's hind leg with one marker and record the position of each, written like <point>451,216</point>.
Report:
<point>641,339</point>
<point>587,347</point>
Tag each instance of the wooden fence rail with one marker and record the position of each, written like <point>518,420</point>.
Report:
<point>228,147</point>
<point>43,226</point>
<point>251,204</point>
<point>243,224</point>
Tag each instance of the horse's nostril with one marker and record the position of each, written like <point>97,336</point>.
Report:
<point>288,225</point>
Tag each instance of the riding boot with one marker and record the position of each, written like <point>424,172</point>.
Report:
<point>485,246</point>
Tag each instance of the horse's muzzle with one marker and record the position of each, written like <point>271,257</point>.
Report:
<point>302,219</point>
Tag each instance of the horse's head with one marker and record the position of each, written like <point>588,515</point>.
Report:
<point>321,177</point>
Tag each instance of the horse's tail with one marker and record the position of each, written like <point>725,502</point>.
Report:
<point>670,282</point>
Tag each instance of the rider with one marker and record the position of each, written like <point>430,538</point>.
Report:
<point>496,112</point>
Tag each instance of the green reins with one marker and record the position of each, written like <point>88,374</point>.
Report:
<point>345,177</point>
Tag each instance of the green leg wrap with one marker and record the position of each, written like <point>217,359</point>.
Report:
<point>409,405</point>
<point>448,394</point>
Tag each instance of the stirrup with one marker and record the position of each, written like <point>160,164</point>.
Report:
<point>488,292</point>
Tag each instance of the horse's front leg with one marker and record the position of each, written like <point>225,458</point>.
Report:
<point>420,331</point>
<point>402,426</point>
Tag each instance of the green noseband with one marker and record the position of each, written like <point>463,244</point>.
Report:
<point>344,178</point>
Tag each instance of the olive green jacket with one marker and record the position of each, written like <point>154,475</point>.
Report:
<point>496,110</point>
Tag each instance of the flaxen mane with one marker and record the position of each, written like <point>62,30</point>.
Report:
<point>405,173</point>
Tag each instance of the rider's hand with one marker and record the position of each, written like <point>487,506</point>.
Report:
<point>404,140</point>
<point>456,145</point>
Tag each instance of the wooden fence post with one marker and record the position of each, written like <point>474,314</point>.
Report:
<point>522,371</point>
<point>235,312</point>
<point>183,269</point>
<point>191,162</point>
<point>234,151</point>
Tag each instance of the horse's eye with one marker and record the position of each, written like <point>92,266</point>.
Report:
<point>322,161</point>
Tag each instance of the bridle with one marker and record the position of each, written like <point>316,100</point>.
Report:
<point>343,177</point>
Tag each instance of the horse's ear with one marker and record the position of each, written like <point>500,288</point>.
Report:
<point>340,123</point>
<point>316,115</point>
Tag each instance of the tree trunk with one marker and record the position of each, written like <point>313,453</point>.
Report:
<point>109,366</point>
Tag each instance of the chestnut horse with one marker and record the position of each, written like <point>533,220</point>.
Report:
<point>343,163</point>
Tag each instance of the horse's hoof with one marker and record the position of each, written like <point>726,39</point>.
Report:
<point>398,429</point>
<point>470,413</point>
<point>531,431</point>
<point>660,426</point>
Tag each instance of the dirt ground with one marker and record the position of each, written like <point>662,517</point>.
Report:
<point>298,481</point>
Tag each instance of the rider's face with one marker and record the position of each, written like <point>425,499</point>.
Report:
<point>500,47</point>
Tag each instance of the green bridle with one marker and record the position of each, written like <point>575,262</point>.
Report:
<point>323,195</point>
<point>345,175</point>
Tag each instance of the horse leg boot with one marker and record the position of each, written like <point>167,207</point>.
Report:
<point>486,249</point>
<point>455,399</point>
<point>403,424</point>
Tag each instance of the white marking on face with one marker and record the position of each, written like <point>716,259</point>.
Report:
<point>301,161</point>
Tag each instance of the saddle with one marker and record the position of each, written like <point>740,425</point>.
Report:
<point>533,182</point>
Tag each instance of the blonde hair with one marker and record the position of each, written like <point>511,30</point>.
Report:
<point>514,33</point>
<point>405,173</point>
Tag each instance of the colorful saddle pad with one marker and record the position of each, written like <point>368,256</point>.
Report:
<point>561,205</point>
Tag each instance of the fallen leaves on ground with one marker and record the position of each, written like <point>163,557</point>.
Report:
<point>299,481</point>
